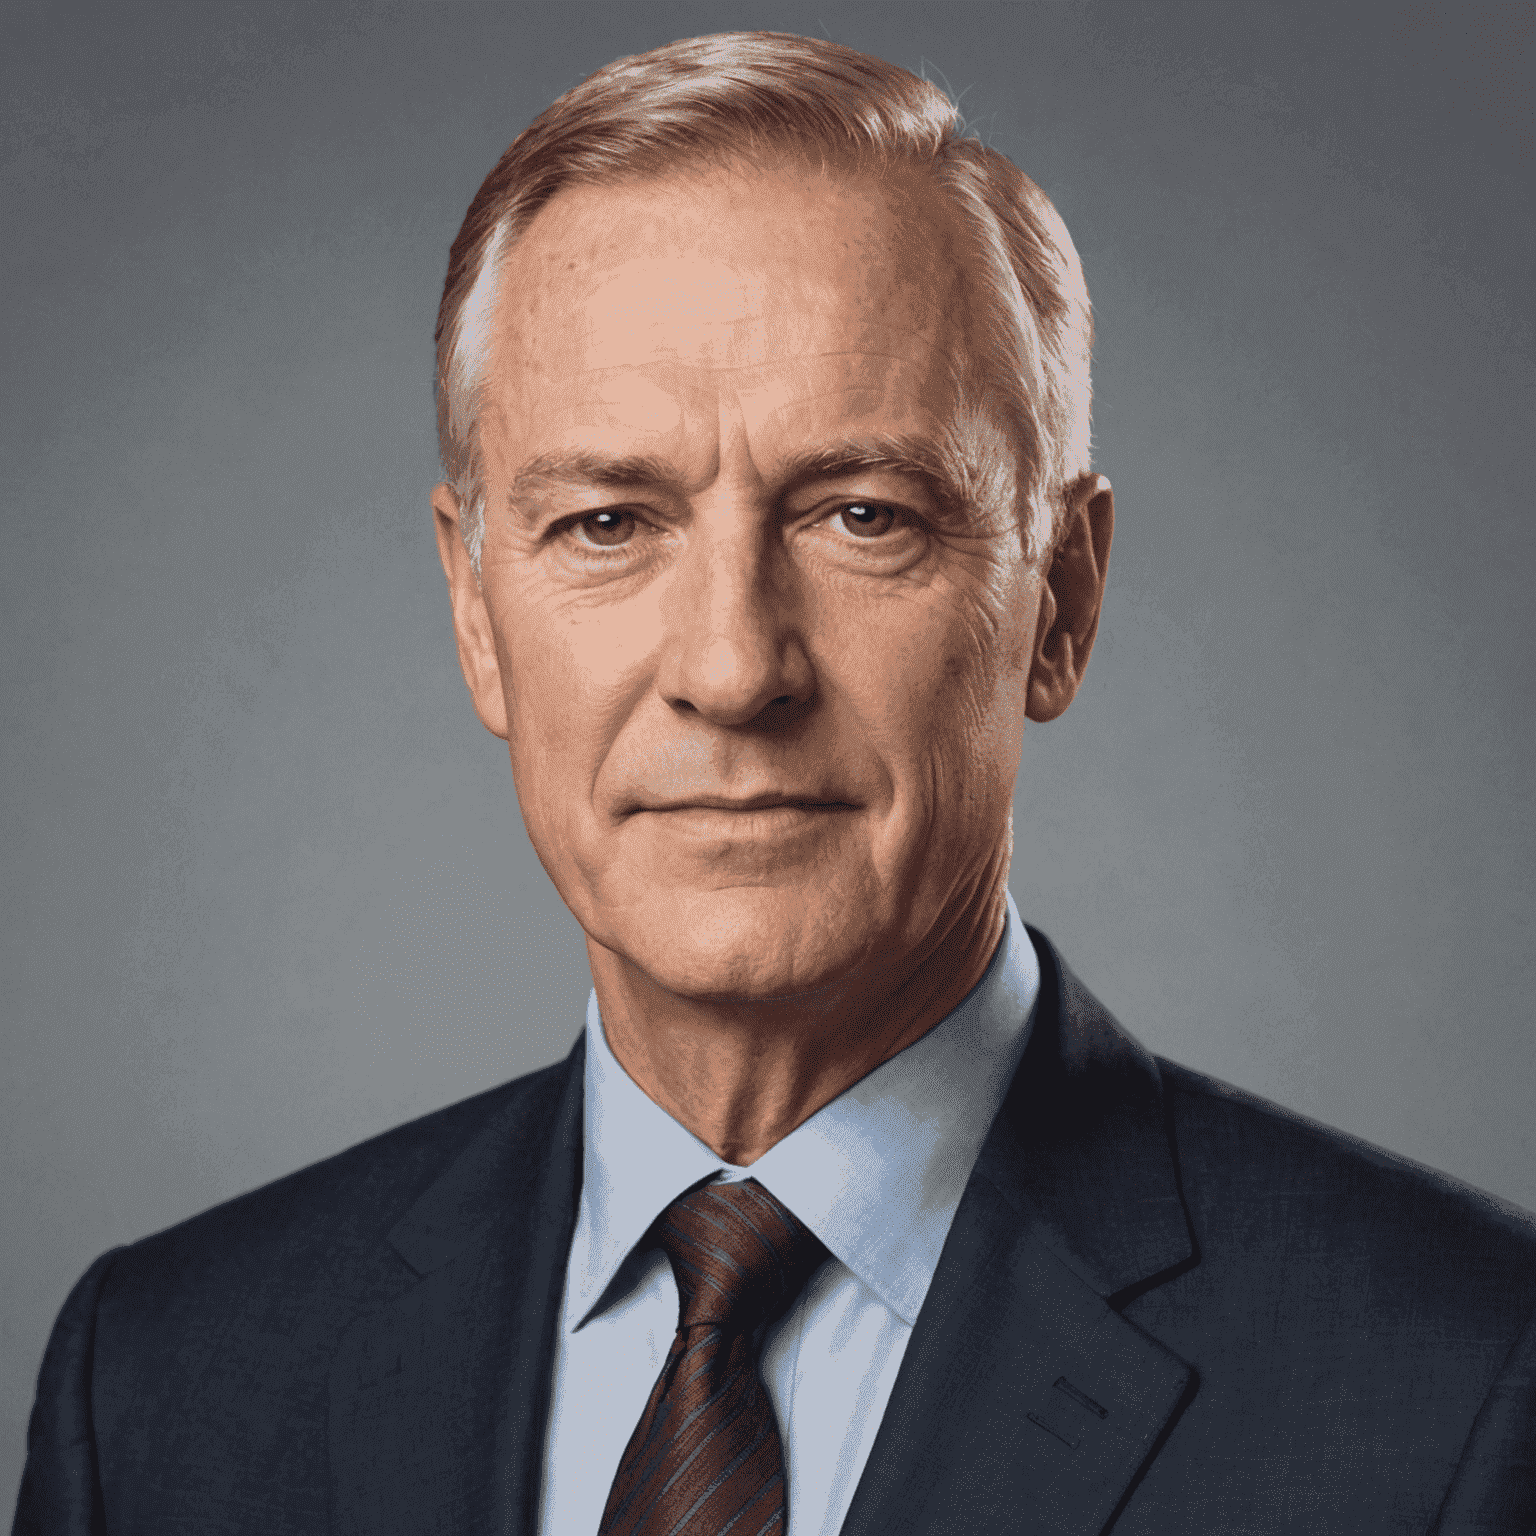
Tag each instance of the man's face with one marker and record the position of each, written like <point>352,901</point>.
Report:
<point>762,671</point>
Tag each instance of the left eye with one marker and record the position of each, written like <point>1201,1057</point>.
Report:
<point>866,519</point>
<point>607,529</point>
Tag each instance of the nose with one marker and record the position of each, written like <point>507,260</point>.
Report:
<point>734,648</point>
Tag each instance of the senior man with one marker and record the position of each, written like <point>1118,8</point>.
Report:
<point>769,521</point>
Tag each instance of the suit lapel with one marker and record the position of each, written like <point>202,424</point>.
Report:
<point>1025,1401</point>
<point>439,1398</point>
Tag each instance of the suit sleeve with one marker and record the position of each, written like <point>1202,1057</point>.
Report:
<point>60,1492</point>
<point>1494,1490</point>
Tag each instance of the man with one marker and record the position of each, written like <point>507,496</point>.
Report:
<point>769,522</point>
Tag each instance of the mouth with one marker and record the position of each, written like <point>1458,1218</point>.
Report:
<point>744,805</point>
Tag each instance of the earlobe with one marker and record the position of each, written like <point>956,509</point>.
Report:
<point>472,626</point>
<point>1072,598</point>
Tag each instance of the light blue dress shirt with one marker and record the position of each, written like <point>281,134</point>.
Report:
<point>876,1174</point>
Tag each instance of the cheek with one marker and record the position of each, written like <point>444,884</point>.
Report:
<point>955,689</point>
<point>916,677</point>
<point>571,673</point>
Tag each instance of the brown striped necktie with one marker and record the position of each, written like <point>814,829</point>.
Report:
<point>705,1457</point>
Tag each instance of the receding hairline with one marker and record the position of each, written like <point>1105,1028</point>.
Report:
<point>904,183</point>
<point>954,282</point>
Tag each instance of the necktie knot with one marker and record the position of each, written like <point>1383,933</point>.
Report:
<point>739,1255</point>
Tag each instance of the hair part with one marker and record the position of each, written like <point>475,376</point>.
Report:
<point>748,95</point>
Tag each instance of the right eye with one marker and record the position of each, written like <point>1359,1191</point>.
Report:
<point>606,530</point>
<point>867,519</point>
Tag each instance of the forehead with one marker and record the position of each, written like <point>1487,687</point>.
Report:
<point>651,307</point>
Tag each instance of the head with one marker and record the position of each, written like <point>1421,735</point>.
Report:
<point>763,397</point>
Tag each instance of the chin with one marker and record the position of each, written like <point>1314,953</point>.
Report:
<point>747,943</point>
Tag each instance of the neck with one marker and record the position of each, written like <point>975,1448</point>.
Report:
<point>742,1074</point>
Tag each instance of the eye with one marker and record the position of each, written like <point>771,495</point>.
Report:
<point>866,519</point>
<point>607,529</point>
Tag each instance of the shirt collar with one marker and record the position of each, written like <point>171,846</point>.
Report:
<point>876,1174</point>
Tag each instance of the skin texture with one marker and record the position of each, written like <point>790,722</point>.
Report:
<point>754,618</point>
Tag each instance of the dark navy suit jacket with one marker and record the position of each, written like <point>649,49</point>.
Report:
<point>1164,1306</point>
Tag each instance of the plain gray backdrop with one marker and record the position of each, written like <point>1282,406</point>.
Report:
<point>266,887</point>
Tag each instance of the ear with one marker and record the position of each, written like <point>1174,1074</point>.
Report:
<point>471,618</point>
<point>1072,597</point>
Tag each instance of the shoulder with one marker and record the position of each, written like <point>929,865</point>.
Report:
<point>1267,1188</point>
<point>1290,1221</point>
<point>320,1233</point>
<point>210,1345</point>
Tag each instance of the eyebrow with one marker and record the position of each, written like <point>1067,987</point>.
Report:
<point>584,467</point>
<point>937,464</point>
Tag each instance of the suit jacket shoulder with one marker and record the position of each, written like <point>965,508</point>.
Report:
<point>187,1383</point>
<point>1457,1246</point>
<point>323,1220</point>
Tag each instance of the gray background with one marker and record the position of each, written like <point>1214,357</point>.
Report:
<point>266,889</point>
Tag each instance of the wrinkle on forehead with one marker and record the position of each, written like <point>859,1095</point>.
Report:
<point>658,399</point>
<point>689,257</point>
<point>644,318</point>
<point>690,417</point>
<point>721,318</point>
<point>734,368</point>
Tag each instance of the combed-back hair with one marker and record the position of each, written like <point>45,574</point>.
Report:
<point>745,95</point>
